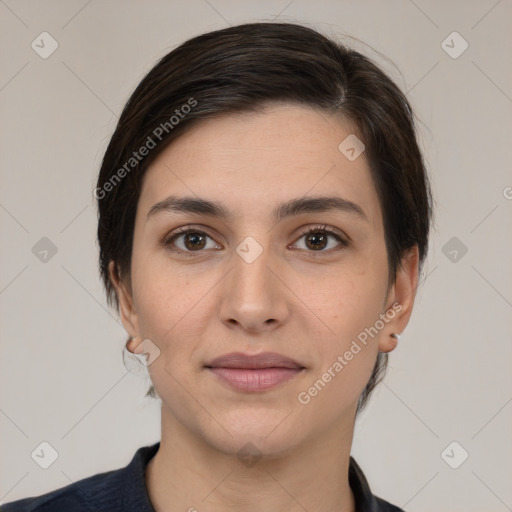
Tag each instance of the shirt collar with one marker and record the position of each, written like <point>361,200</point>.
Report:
<point>136,495</point>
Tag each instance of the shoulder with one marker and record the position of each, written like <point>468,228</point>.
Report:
<point>384,506</point>
<point>366,501</point>
<point>85,494</point>
<point>120,489</point>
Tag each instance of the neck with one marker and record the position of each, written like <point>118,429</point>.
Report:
<point>188,474</point>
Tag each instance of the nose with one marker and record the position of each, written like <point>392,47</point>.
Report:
<point>254,297</point>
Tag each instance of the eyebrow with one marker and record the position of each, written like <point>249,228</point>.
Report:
<point>199,206</point>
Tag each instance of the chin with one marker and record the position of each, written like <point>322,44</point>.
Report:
<point>257,432</point>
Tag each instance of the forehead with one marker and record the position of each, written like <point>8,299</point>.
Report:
<point>252,161</point>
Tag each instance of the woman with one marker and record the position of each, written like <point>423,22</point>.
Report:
<point>264,213</point>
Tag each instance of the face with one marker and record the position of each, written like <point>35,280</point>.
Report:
<point>251,281</point>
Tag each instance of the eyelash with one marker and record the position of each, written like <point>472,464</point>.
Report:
<point>168,241</point>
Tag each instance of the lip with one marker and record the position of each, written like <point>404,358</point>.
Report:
<point>254,373</point>
<point>253,361</point>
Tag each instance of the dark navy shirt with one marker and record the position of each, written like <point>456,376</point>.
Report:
<point>124,490</point>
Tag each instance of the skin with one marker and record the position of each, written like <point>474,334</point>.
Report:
<point>303,302</point>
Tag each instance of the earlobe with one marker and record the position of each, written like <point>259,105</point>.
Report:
<point>126,307</point>
<point>133,345</point>
<point>389,343</point>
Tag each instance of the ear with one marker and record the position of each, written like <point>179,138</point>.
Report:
<point>400,300</point>
<point>127,310</point>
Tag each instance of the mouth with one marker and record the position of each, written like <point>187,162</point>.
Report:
<point>254,373</point>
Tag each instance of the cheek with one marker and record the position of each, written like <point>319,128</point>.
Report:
<point>175,305</point>
<point>169,313</point>
<point>167,305</point>
<point>348,299</point>
<point>344,361</point>
<point>349,306</point>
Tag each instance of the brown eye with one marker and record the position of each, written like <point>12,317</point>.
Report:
<point>193,241</point>
<point>317,239</point>
<point>190,240</point>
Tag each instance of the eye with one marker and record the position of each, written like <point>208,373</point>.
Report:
<point>317,239</point>
<point>188,240</point>
<point>192,239</point>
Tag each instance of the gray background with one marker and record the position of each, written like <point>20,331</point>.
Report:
<point>62,376</point>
